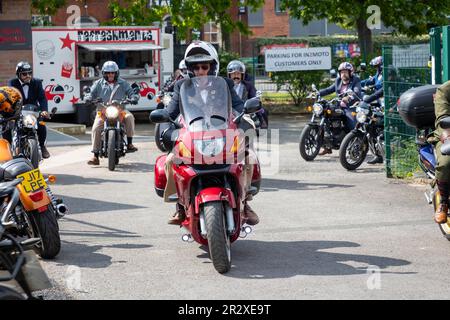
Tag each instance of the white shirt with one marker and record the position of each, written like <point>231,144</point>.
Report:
<point>239,88</point>
<point>25,89</point>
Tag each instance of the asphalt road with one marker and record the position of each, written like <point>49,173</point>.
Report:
<point>325,233</point>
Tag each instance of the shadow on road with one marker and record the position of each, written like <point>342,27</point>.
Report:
<point>86,256</point>
<point>139,167</point>
<point>69,179</point>
<point>268,185</point>
<point>283,259</point>
<point>83,205</point>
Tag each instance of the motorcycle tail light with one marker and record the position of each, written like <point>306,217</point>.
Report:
<point>37,196</point>
<point>158,100</point>
<point>42,209</point>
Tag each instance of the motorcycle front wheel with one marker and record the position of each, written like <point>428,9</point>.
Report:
<point>218,239</point>
<point>112,150</point>
<point>353,150</point>
<point>310,142</point>
<point>32,152</point>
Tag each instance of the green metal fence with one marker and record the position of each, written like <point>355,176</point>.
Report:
<point>404,67</point>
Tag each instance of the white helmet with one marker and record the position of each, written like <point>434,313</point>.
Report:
<point>202,52</point>
<point>236,65</point>
<point>110,66</point>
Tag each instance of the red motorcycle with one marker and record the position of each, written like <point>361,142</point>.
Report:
<point>210,157</point>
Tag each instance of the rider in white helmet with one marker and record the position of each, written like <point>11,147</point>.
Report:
<point>201,59</point>
<point>111,87</point>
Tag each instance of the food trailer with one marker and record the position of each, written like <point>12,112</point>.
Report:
<point>67,59</point>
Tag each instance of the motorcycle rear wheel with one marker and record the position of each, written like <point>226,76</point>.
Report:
<point>47,229</point>
<point>444,227</point>
<point>219,242</point>
<point>310,142</point>
<point>111,150</point>
<point>354,147</point>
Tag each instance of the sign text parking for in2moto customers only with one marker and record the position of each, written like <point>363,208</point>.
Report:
<point>298,59</point>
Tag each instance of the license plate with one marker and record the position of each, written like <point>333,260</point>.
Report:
<point>32,181</point>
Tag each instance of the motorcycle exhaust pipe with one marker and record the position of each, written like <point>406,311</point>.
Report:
<point>61,209</point>
<point>428,197</point>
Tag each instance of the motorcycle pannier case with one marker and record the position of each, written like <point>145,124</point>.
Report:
<point>160,175</point>
<point>416,106</point>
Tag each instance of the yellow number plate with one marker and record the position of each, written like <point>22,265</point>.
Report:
<point>32,181</point>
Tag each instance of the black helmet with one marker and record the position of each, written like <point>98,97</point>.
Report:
<point>23,66</point>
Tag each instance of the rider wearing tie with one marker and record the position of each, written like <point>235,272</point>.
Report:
<point>32,93</point>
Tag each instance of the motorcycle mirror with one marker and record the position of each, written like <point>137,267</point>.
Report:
<point>252,105</point>
<point>258,93</point>
<point>313,87</point>
<point>445,123</point>
<point>333,74</point>
<point>86,89</point>
<point>159,116</point>
<point>445,148</point>
<point>363,66</point>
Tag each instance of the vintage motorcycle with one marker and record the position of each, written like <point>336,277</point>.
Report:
<point>368,134</point>
<point>326,128</point>
<point>209,166</point>
<point>24,138</point>
<point>416,108</point>
<point>32,210</point>
<point>19,263</point>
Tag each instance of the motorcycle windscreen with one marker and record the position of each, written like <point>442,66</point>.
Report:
<point>205,103</point>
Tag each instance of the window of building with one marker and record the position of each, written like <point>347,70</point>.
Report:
<point>277,7</point>
<point>1,6</point>
<point>256,19</point>
<point>41,20</point>
<point>211,32</point>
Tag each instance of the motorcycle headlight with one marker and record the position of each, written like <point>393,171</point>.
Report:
<point>166,99</point>
<point>29,121</point>
<point>361,117</point>
<point>318,109</point>
<point>210,147</point>
<point>112,113</point>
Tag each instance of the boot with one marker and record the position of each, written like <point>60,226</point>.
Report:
<point>44,152</point>
<point>250,215</point>
<point>376,159</point>
<point>131,148</point>
<point>94,161</point>
<point>178,217</point>
<point>325,151</point>
<point>441,214</point>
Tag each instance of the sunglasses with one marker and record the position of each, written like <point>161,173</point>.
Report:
<point>26,73</point>
<point>109,72</point>
<point>203,67</point>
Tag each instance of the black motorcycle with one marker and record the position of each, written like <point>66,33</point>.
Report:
<point>18,264</point>
<point>368,134</point>
<point>24,134</point>
<point>326,128</point>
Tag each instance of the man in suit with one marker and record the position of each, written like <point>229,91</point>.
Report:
<point>32,93</point>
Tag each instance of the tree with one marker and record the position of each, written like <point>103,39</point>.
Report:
<point>410,17</point>
<point>47,7</point>
<point>186,14</point>
<point>297,83</point>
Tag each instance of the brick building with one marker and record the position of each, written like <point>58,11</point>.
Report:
<point>15,36</point>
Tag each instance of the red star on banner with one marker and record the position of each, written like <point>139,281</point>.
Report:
<point>74,100</point>
<point>67,42</point>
